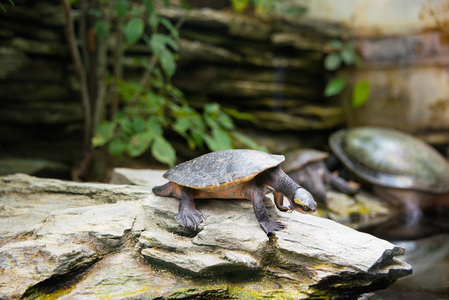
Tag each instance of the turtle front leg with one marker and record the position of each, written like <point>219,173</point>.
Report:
<point>188,215</point>
<point>262,215</point>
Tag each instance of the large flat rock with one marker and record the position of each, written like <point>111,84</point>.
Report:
<point>108,241</point>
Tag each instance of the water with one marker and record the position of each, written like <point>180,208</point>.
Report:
<point>429,257</point>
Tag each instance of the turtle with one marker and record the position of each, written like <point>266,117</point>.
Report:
<point>308,168</point>
<point>234,174</point>
<point>397,166</point>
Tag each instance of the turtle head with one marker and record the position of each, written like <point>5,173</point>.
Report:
<point>303,201</point>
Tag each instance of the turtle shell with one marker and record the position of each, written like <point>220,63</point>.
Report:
<point>299,158</point>
<point>218,170</point>
<point>391,158</point>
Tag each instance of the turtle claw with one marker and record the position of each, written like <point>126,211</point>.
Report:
<point>190,218</point>
<point>285,208</point>
<point>271,226</point>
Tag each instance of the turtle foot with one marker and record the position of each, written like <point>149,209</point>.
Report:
<point>271,226</point>
<point>190,218</point>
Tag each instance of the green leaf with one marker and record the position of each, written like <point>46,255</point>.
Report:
<point>127,90</point>
<point>210,114</point>
<point>163,151</point>
<point>335,44</point>
<point>245,140</point>
<point>175,93</point>
<point>149,6</point>
<point>167,24</point>
<point>214,116</point>
<point>181,125</point>
<point>154,126</point>
<point>154,103</point>
<point>125,124</point>
<point>159,43</point>
<point>138,124</point>
<point>211,108</point>
<point>225,121</point>
<point>197,136</point>
<point>168,63</point>
<point>133,30</point>
<point>239,5</point>
<point>101,28</point>
<point>220,140</point>
<point>103,134</point>
<point>153,20</point>
<point>360,93</point>
<point>332,62</point>
<point>348,55</point>
<point>334,87</point>
<point>117,147</point>
<point>296,10</point>
<point>239,115</point>
<point>121,8</point>
<point>139,143</point>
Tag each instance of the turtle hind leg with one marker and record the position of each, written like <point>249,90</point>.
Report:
<point>165,190</point>
<point>188,215</point>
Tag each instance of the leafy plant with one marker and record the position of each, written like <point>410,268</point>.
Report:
<point>344,54</point>
<point>341,53</point>
<point>146,110</point>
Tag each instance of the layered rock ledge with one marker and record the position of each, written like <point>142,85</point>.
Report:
<point>109,241</point>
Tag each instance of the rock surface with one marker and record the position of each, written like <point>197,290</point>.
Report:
<point>107,241</point>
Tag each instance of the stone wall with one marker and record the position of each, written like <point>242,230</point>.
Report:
<point>270,67</point>
<point>41,113</point>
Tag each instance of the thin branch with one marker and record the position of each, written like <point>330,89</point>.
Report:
<point>101,71</point>
<point>79,68</point>
<point>118,67</point>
